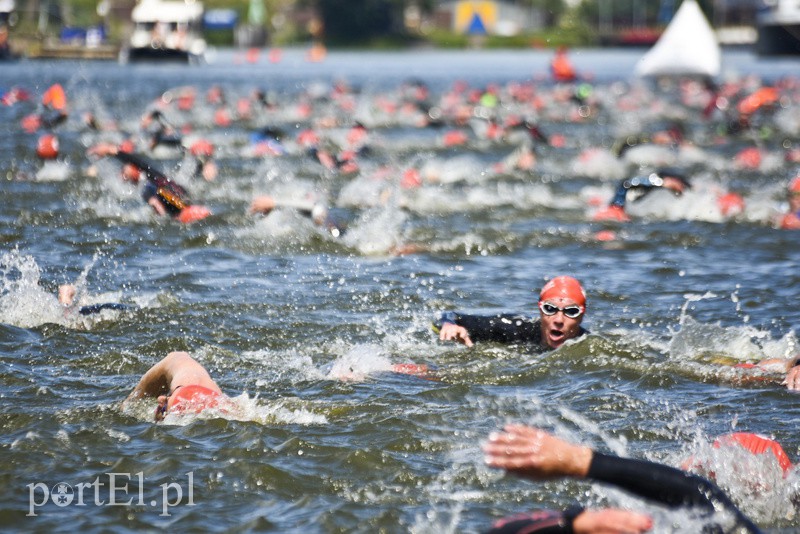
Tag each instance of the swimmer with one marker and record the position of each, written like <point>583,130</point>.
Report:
<point>790,366</point>
<point>755,444</point>
<point>53,111</point>
<point>562,304</point>
<point>533,453</point>
<point>162,194</point>
<point>791,220</point>
<point>181,385</point>
<point>66,297</point>
<point>318,213</point>
<point>640,186</point>
<point>160,131</point>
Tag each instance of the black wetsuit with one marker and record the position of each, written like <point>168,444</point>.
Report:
<point>50,118</point>
<point>501,328</point>
<point>641,185</point>
<point>91,309</point>
<point>656,482</point>
<point>172,196</point>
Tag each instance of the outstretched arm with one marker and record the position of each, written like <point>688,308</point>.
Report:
<point>176,369</point>
<point>536,454</point>
<point>792,380</point>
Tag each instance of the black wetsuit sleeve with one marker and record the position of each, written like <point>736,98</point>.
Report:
<point>503,328</point>
<point>643,184</point>
<point>97,308</point>
<point>664,484</point>
<point>140,162</point>
<point>52,117</point>
<point>541,522</point>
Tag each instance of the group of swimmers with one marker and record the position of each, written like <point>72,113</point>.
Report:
<point>532,453</point>
<point>179,384</point>
<point>173,197</point>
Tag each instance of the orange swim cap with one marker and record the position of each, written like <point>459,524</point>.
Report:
<point>193,213</point>
<point>193,399</point>
<point>794,185</point>
<point>47,147</point>
<point>55,97</point>
<point>131,173</point>
<point>126,146</point>
<point>202,148</point>
<point>563,287</point>
<point>757,445</point>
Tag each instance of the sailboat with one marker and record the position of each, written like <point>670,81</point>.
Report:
<point>688,47</point>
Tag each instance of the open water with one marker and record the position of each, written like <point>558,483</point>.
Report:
<point>303,328</point>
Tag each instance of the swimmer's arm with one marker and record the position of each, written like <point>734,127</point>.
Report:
<point>792,380</point>
<point>154,382</point>
<point>157,205</point>
<point>449,330</point>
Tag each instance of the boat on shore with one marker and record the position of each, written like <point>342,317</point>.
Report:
<point>778,27</point>
<point>166,30</point>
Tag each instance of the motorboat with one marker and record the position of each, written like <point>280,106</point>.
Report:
<point>166,30</point>
<point>778,27</point>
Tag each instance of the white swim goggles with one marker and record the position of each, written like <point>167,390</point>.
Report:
<point>573,311</point>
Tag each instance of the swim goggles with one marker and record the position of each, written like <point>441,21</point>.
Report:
<point>573,311</point>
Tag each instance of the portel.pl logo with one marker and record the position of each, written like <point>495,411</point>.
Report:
<point>113,492</point>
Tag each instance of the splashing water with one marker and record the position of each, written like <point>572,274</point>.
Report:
<point>23,302</point>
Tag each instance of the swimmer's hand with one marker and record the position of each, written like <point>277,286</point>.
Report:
<point>103,149</point>
<point>611,521</point>
<point>262,204</point>
<point>792,380</point>
<point>453,332</point>
<point>533,453</point>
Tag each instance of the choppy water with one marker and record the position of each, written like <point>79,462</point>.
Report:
<point>303,328</point>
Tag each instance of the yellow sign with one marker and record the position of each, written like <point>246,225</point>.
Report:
<point>476,17</point>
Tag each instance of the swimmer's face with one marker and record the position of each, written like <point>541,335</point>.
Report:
<point>558,328</point>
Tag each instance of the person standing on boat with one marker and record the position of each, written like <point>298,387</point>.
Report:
<point>562,304</point>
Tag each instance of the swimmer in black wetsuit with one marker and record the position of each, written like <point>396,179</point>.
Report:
<point>533,453</point>
<point>637,187</point>
<point>562,304</point>
<point>66,297</point>
<point>161,132</point>
<point>162,194</point>
<point>317,212</point>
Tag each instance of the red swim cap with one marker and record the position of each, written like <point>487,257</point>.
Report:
<point>563,287</point>
<point>126,146</point>
<point>794,185</point>
<point>193,213</point>
<point>131,173</point>
<point>193,399</point>
<point>202,148</point>
<point>757,445</point>
<point>47,147</point>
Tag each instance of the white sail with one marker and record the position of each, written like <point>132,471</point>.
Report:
<point>687,47</point>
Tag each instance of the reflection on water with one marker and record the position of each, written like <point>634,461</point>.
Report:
<point>305,328</point>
